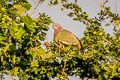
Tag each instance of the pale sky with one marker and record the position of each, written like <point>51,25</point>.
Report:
<point>92,7</point>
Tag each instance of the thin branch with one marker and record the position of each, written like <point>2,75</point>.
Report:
<point>104,38</point>
<point>65,62</point>
<point>39,2</point>
<point>116,8</point>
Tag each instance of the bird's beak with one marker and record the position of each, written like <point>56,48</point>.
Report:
<point>53,26</point>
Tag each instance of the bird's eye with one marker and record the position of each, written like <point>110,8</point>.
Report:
<point>55,25</point>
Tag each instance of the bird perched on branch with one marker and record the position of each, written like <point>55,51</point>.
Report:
<point>66,37</point>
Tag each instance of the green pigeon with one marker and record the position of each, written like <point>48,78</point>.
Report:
<point>66,37</point>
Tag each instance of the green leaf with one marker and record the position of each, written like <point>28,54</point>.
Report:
<point>70,14</point>
<point>34,64</point>
<point>26,5</point>
<point>107,24</point>
<point>19,9</point>
<point>47,55</point>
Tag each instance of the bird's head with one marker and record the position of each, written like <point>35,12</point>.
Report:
<point>57,26</point>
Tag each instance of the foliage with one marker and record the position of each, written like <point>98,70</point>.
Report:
<point>20,40</point>
<point>22,54</point>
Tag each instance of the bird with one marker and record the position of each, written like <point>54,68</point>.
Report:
<point>66,37</point>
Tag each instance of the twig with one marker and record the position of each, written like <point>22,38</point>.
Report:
<point>65,63</point>
<point>11,77</point>
<point>1,76</point>
<point>116,6</point>
<point>39,2</point>
<point>109,42</point>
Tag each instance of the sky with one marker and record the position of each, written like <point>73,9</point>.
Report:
<point>92,7</point>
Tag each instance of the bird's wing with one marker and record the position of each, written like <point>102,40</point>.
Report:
<point>67,37</point>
